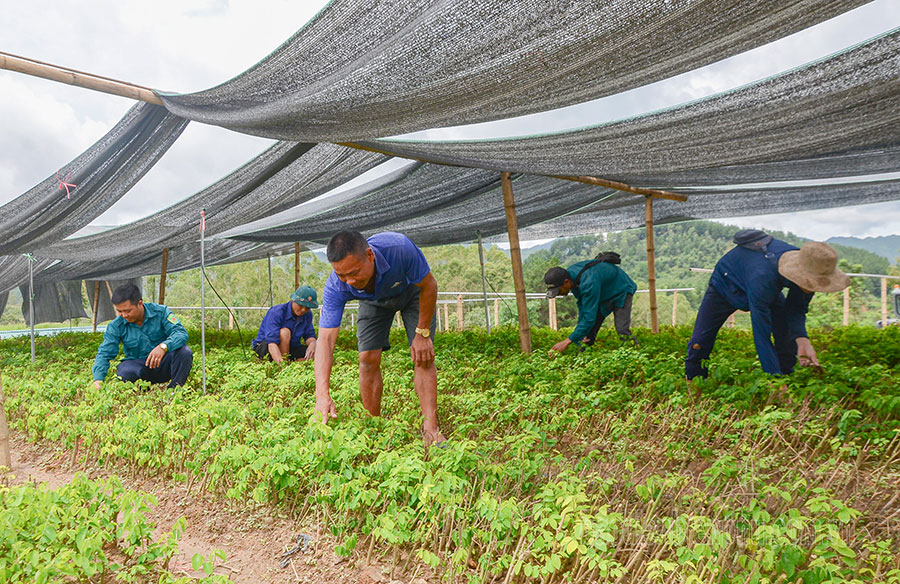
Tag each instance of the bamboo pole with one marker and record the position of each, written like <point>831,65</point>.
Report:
<point>446,317</point>
<point>296,265</point>
<point>108,289</point>
<point>651,267</point>
<point>5,458</point>
<point>620,186</point>
<point>460,325</point>
<point>397,318</point>
<point>554,325</point>
<point>203,295</point>
<point>96,303</point>
<point>77,78</point>
<point>271,289</point>
<point>884,310</point>
<point>487,315</point>
<point>512,226</point>
<point>162,276</point>
<point>847,306</point>
<point>496,312</point>
<point>675,308</point>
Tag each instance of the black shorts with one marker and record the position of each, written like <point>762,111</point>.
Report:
<point>261,349</point>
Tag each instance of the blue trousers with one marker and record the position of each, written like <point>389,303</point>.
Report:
<point>175,367</point>
<point>714,311</point>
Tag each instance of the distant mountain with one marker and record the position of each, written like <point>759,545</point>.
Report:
<point>887,246</point>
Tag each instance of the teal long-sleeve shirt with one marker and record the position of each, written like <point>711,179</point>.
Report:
<point>159,326</point>
<point>602,288</point>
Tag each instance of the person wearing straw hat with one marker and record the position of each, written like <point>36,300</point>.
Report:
<point>751,277</point>
<point>285,327</point>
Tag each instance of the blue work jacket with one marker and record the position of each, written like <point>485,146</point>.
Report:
<point>281,316</point>
<point>749,280</point>
<point>159,326</point>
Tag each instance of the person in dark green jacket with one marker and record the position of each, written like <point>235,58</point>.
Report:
<point>155,342</point>
<point>600,288</point>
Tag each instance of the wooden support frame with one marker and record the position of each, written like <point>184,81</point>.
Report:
<point>651,265</point>
<point>162,276</point>
<point>77,78</point>
<point>515,253</point>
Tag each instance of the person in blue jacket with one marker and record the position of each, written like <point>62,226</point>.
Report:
<point>751,277</point>
<point>285,327</point>
<point>386,273</point>
<point>154,340</point>
<point>601,288</point>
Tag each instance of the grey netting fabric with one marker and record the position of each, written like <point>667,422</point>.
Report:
<point>847,103</point>
<point>322,204</point>
<point>287,174</point>
<point>424,191</point>
<point>364,69</point>
<point>625,211</point>
<point>105,309</point>
<point>103,173</point>
<point>14,270</point>
<point>54,302</point>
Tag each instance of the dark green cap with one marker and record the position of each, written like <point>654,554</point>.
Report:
<point>305,296</point>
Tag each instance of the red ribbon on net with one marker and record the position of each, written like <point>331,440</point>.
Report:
<point>64,184</point>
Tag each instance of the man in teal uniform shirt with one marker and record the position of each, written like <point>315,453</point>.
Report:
<point>601,288</point>
<point>153,338</point>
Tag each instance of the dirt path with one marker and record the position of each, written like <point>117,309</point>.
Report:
<point>252,538</point>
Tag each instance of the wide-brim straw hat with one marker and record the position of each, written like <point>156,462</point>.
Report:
<point>813,267</point>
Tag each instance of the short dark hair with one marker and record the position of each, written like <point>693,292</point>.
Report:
<point>556,276</point>
<point>344,243</point>
<point>126,292</point>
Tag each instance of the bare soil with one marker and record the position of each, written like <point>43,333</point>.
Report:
<point>253,537</point>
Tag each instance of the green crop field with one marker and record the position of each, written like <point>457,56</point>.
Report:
<point>601,466</point>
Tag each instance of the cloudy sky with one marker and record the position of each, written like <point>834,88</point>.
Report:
<point>189,45</point>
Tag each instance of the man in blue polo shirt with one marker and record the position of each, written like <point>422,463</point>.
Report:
<point>155,342</point>
<point>386,273</point>
<point>751,277</point>
<point>285,327</point>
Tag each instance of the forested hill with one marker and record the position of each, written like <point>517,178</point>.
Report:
<point>679,247</point>
<point>887,246</point>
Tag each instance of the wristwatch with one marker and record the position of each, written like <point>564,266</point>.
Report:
<point>164,347</point>
<point>424,332</point>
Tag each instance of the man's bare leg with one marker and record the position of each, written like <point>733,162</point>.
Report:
<point>425,381</point>
<point>371,384</point>
<point>284,341</point>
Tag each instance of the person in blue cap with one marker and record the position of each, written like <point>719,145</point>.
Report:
<point>154,340</point>
<point>287,329</point>
<point>751,277</point>
<point>386,273</point>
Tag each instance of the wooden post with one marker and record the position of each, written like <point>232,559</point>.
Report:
<point>460,325</point>
<point>847,306</point>
<point>96,302</point>
<point>731,319</point>
<point>446,317</point>
<point>271,292</point>
<point>5,458</point>
<point>230,320</point>
<point>352,319</point>
<point>108,289</point>
<point>675,308</point>
<point>552,309</point>
<point>884,308</point>
<point>512,226</point>
<point>651,267</point>
<point>399,322</point>
<point>487,316</point>
<point>296,265</point>
<point>496,312</point>
<point>162,276</point>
